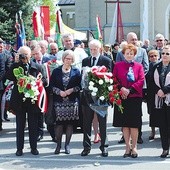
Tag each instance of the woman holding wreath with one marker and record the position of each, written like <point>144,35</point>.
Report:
<point>65,83</point>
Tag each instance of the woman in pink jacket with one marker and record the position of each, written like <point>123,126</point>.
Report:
<point>130,77</point>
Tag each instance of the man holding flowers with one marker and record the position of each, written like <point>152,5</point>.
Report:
<point>98,60</point>
<point>26,75</point>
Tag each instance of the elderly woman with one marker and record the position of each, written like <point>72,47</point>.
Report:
<point>161,100</point>
<point>65,83</point>
<point>153,56</point>
<point>130,77</point>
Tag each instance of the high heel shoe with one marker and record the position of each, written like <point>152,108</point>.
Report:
<point>127,154</point>
<point>164,154</point>
<point>97,139</point>
<point>134,154</point>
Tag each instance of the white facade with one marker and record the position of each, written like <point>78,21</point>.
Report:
<point>144,17</point>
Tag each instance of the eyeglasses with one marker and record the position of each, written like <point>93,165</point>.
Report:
<point>165,53</point>
<point>68,59</point>
<point>151,56</point>
<point>158,40</point>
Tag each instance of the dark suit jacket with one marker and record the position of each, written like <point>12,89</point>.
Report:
<point>56,81</point>
<point>16,97</point>
<point>103,60</point>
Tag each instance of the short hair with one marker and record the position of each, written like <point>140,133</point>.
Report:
<point>130,34</point>
<point>159,36</point>
<point>153,52</point>
<point>64,36</point>
<point>24,48</point>
<point>130,47</point>
<point>54,44</point>
<point>95,42</point>
<point>66,53</point>
<point>43,43</point>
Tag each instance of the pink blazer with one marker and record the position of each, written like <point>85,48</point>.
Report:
<point>120,72</point>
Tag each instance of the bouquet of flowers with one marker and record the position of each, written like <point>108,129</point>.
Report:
<point>103,87</point>
<point>26,85</point>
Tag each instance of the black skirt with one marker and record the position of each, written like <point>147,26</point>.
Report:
<point>132,113</point>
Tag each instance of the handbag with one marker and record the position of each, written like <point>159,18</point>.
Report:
<point>66,110</point>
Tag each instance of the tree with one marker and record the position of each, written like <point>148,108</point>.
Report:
<point>5,25</point>
<point>9,9</point>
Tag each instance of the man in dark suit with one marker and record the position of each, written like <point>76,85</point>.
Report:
<point>95,59</point>
<point>21,107</point>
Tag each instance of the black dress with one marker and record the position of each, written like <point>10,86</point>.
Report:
<point>132,111</point>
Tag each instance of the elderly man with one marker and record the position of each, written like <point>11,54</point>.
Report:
<point>53,50</point>
<point>141,57</point>
<point>95,59</point>
<point>21,107</point>
<point>159,42</point>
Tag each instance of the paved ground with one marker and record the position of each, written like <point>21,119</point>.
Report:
<point>148,152</point>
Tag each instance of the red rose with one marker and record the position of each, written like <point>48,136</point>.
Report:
<point>21,82</point>
<point>115,91</point>
<point>112,99</point>
<point>28,86</point>
<point>110,94</point>
<point>118,102</point>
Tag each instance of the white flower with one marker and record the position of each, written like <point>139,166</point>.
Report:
<point>101,98</point>
<point>95,89</point>
<point>93,94</point>
<point>110,88</point>
<point>101,81</point>
<point>107,80</point>
<point>111,81</point>
<point>27,95</point>
<point>91,87</point>
<point>91,83</point>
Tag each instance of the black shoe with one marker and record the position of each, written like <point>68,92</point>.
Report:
<point>34,152</point>
<point>67,149</point>
<point>122,140</point>
<point>40,137</point>
<point>127,155</point>
<point>135,155</point>
<point>19,153</point>
<point>1,128</point>
<point>151,137</point>
<point>164,154</point>
<point>104,152</point>
<point>57,150</point>
<point>85,152</point>
<point>140,140</point>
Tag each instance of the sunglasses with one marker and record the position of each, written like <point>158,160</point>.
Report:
<point>151,56</point>
<point>158,40</point>
<point>165,53</point>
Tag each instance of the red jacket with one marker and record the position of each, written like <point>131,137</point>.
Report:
<point>120,72</point>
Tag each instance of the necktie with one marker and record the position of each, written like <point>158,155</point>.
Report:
<point>93,62</point>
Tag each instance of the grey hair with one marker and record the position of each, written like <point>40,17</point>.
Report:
<point>96,43</point>
<point>66,53</point>
<point>24,48</point>
<point>67,36</point>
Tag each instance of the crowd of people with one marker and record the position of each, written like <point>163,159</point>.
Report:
<point>141,70</point>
